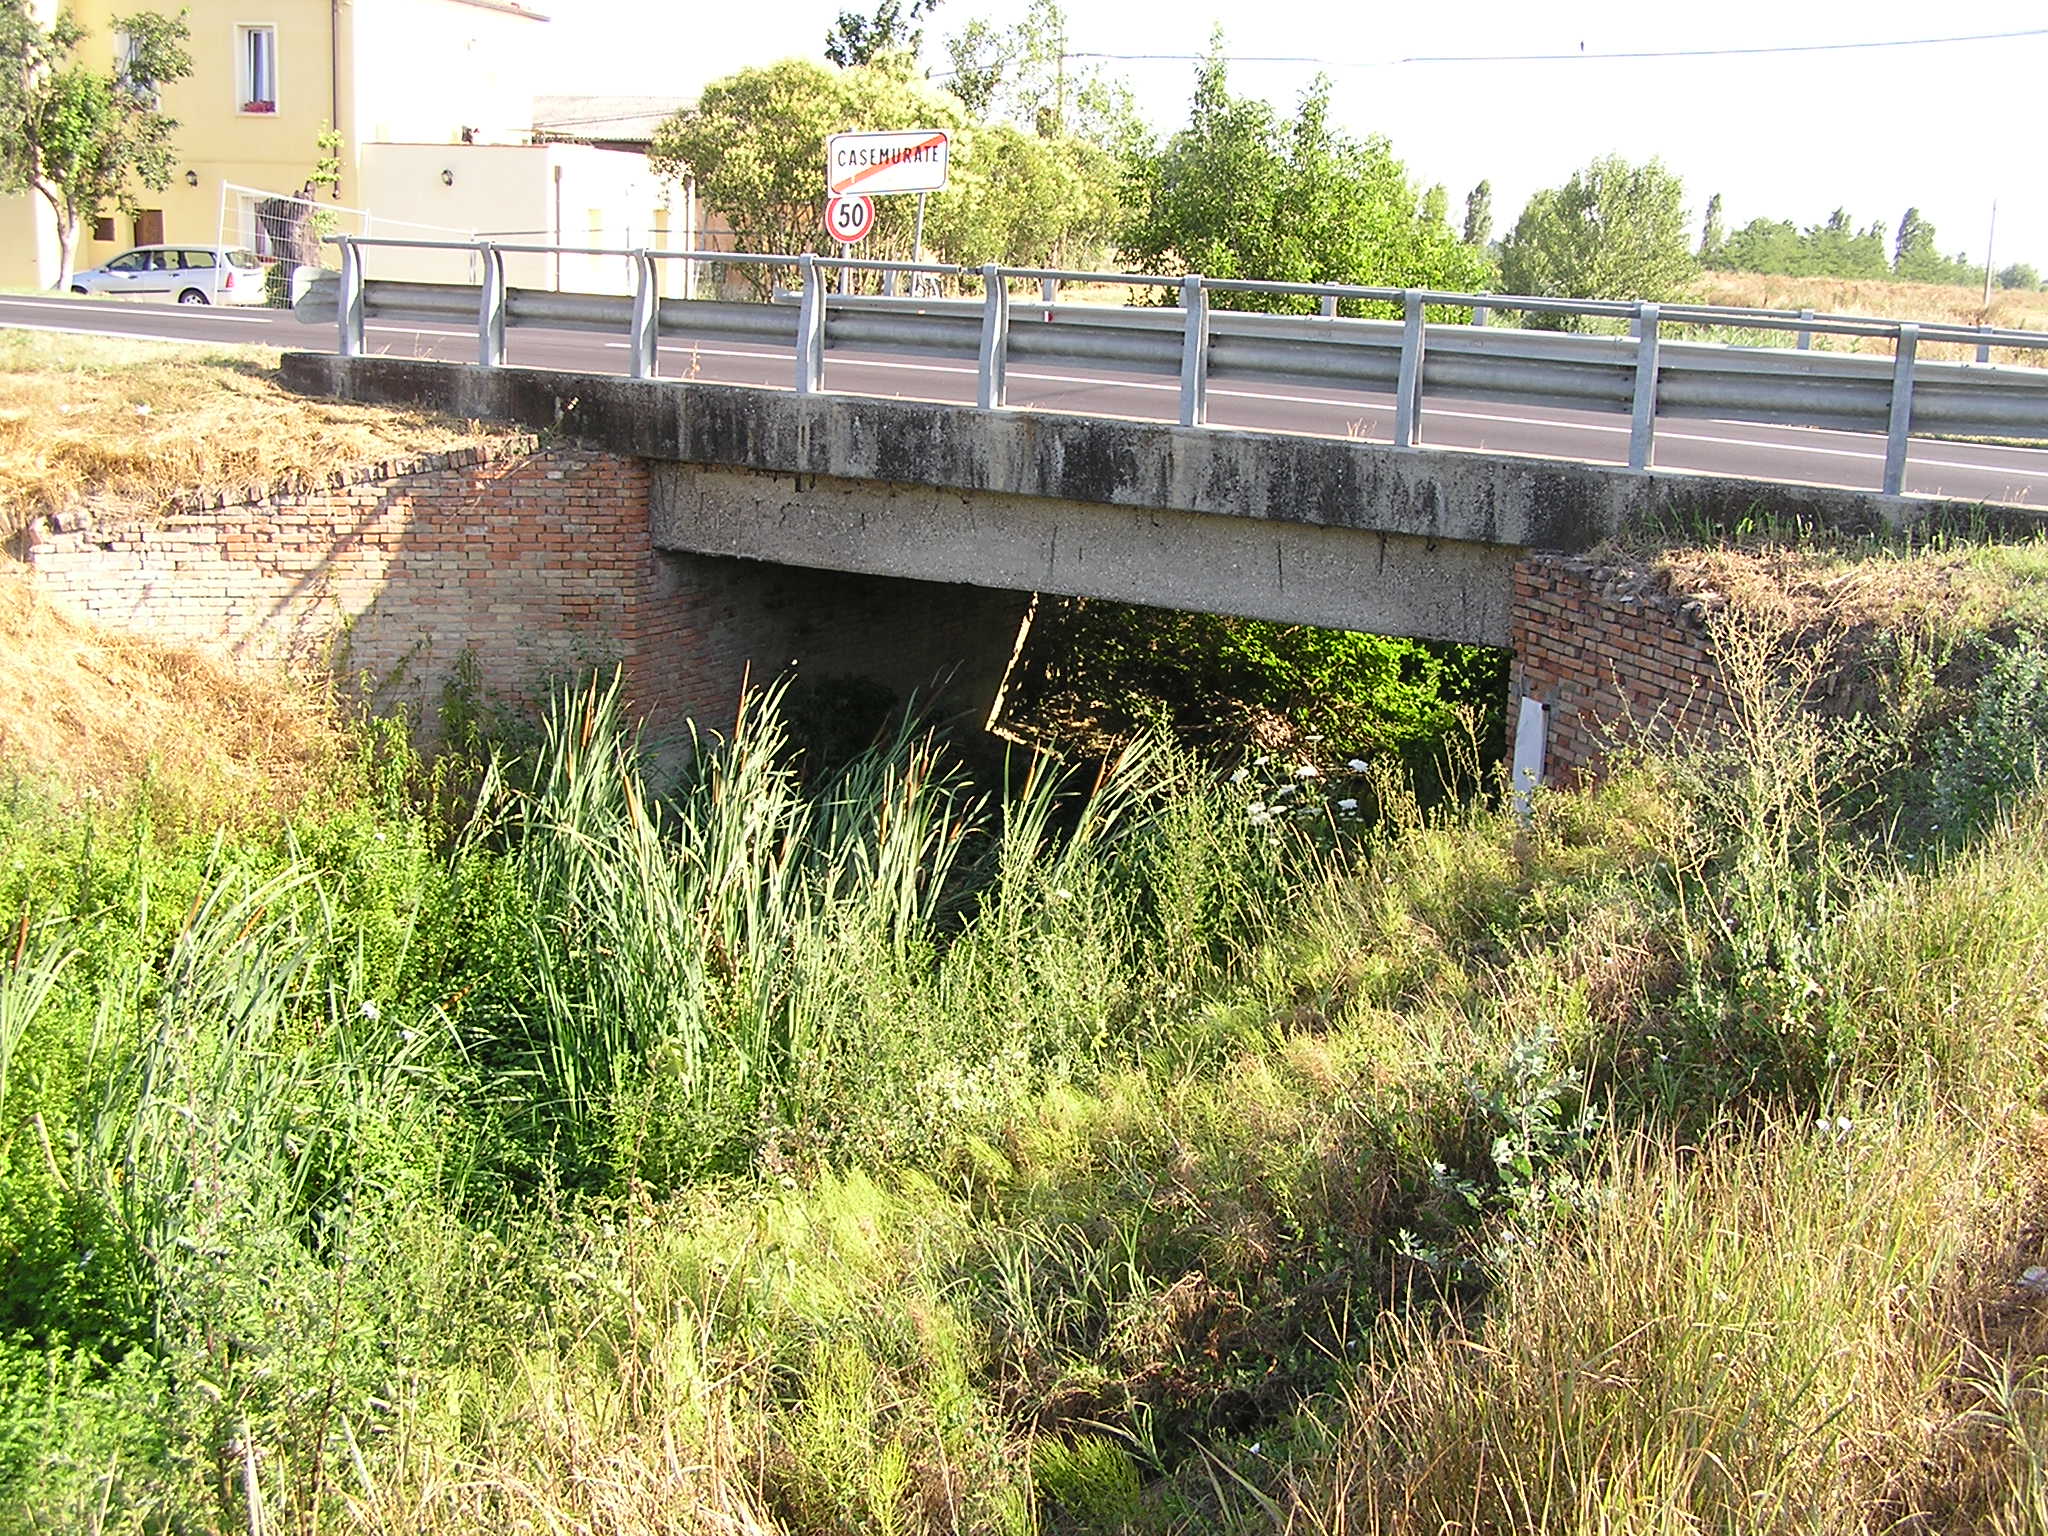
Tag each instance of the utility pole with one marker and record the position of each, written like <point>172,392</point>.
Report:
<point>1988,240</point>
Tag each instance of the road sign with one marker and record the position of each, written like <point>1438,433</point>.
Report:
<point>848,219</point>
<point>912,161</point>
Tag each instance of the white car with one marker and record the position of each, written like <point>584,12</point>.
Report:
<point>190,274</point>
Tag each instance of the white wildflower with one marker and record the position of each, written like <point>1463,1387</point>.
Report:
<point>369,1010</point>
<point>1240,776</point>
<point>1358,765</point>
<point>1347,805</point>
<point>1308,771</point>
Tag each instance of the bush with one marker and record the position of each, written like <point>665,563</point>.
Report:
<point>1996,752</point>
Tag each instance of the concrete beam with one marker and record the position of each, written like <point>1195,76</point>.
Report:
<point>1288,572</point>
<point>1268,477</point>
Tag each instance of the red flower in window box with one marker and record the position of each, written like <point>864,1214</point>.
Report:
<point>259,106</point>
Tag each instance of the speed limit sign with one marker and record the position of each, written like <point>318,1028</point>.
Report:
<point>848,219</point>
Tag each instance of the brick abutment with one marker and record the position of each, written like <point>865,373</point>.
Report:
<point>528,563</point>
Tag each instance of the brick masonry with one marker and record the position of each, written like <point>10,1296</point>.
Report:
<point>1613,656</point>
<point>534,562</point>
<point>537,562</point>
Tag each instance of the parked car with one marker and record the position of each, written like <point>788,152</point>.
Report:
<point>191,274</point>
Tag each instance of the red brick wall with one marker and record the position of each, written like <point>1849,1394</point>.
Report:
<point>1612,656</point>
<point>534,562</point>
<point>537,563</point>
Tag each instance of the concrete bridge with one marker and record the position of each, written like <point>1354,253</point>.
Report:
<point>896,540</point>
<point>1295,529</point>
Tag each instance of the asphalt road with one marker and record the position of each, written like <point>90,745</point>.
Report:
<point>1793,454</point>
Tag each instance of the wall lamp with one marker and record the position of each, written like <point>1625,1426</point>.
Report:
<point>191,178</point>
<point>447,178</point>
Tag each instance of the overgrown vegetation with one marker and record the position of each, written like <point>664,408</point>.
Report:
<point>1102,673</point>
<point>1153,1149</point>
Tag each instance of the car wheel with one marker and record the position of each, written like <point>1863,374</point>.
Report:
<point>192,296</point>
<point>86,292</point>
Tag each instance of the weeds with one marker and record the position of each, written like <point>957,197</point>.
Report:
<point>837,1146</point>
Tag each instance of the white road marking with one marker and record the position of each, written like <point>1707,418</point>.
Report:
<point>158,311</point>
<point>1430,413</point>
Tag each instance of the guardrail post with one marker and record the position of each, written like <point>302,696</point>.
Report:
<point>1194,352</point>
<point>995,339</point>
<point>646,318</point>
<point>348,301</point>
<point>810,329</point>
<point>1902,410</point>
<point>490,309</point>
<point>1479,314</point>
<point>1328,307</point>
<point>1408,392</point>
<point>1805,337</point>
<point>1642,427</point>
<point>1983,347</point>
<point>1048,293</point>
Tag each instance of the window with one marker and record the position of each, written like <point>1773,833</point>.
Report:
<point>134,261</point>
<point>103,228</point>
<point>256,51</point>
<point>196,261</point>
<point>143,90</point>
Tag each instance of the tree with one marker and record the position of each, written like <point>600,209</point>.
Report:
<point>1613,231</point>
<point>1763,245</point>
<point>856,39</point>
<point>1022,75</point>
<point>81,139</point>
<point>756,145</point>
<point>1241,193</point>
<point>1836,249</point>
<point>1915,259</point>
<point>1436,205</point>
<point>1479,214</point>
<point>2018,275</point>
<point>1712,237</point>
<point>1914,243</point>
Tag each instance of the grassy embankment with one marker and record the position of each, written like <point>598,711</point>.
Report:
<point>871,1155</point>
<point>124,426</point>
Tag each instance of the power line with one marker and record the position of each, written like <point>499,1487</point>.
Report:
<point>1579,57</point>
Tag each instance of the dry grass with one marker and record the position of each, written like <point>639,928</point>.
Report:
<point>1760,1339</point>
<point>2011,309</point>
<point>130,425</point>
<point>1795,591</point>
<point>91,714</point>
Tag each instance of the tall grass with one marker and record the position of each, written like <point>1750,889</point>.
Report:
<point>1091,1153</point>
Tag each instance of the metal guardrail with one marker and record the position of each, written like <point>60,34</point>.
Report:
<point>1642,374</point>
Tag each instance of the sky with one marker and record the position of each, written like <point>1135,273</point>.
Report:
<point>1948,128</point>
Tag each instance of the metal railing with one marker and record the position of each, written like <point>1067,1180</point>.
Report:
<point>1641,374</point>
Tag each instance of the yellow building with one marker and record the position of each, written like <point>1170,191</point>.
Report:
<point>434,103</point>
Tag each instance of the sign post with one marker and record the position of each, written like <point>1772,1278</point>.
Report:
<point>866,165</point>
